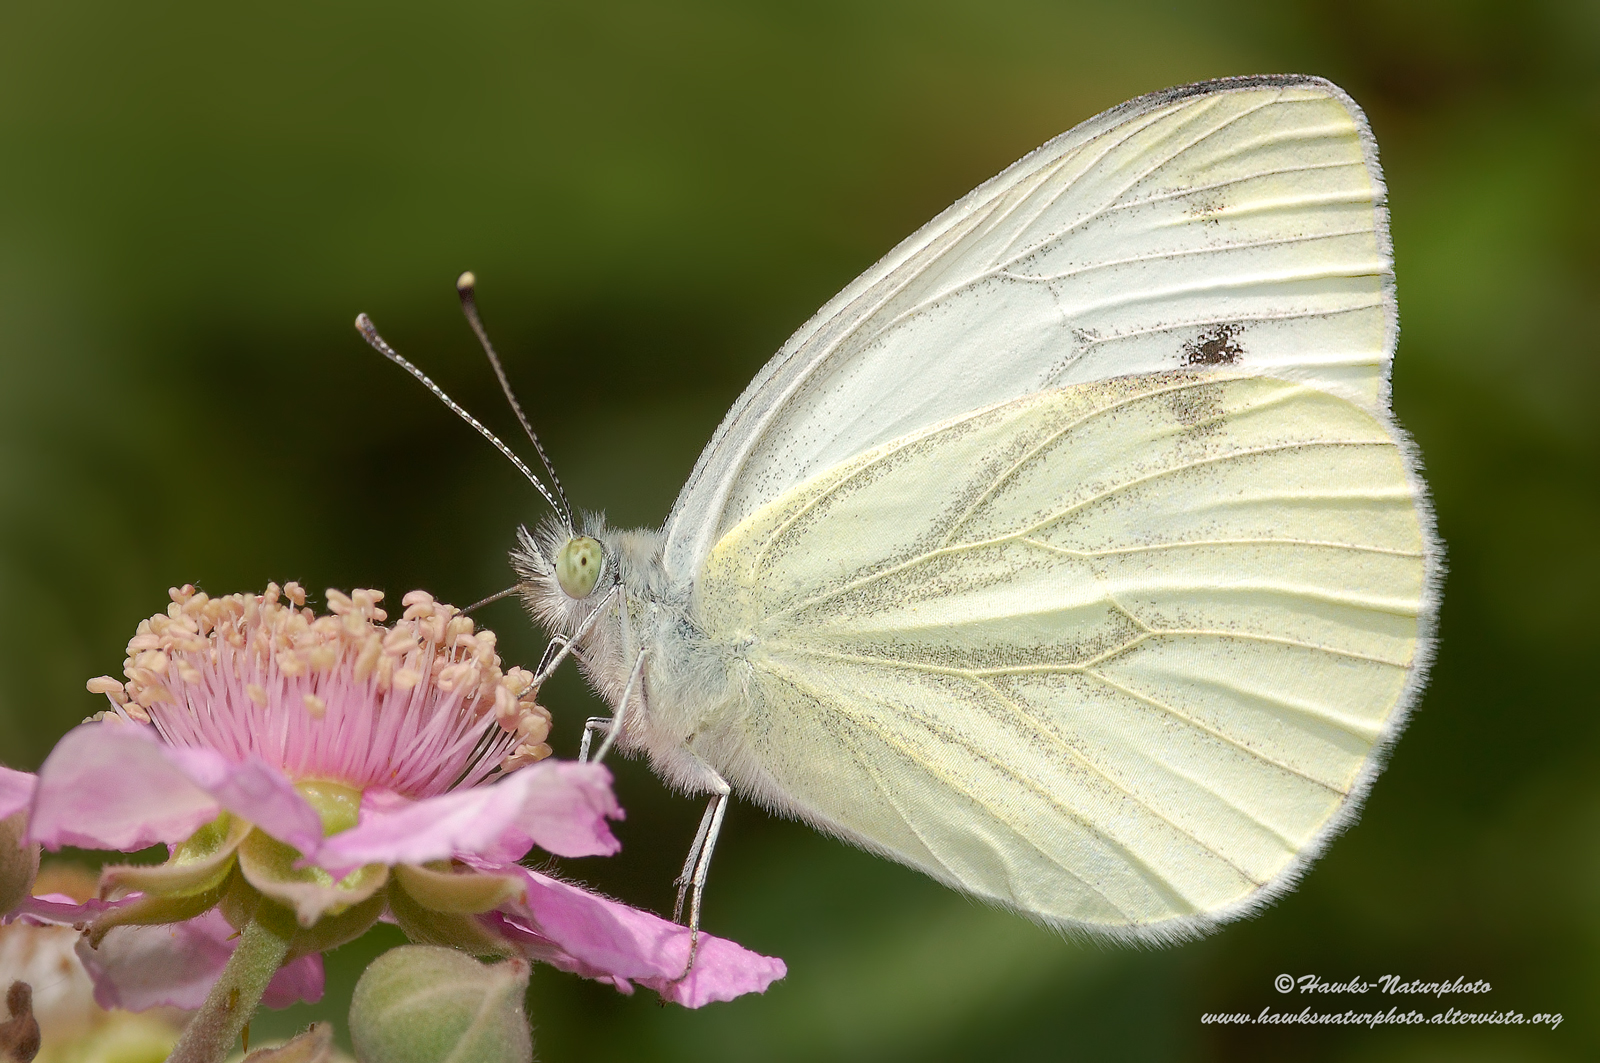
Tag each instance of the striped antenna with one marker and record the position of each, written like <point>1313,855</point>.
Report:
<point>369,332</point>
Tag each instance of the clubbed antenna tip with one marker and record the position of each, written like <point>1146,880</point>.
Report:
<point>466,285</point>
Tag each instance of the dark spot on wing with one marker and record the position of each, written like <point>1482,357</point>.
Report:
<point>1218,345</point>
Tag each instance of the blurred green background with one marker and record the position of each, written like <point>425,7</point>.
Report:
<point>195,201</point>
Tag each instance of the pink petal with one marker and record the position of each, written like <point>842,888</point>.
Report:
<point>565,809</point>
<point>108,786</point>
<point>140,967</point>
<point>722,971</point>
<point>599,938</point>
<point>16,790</point>
<point>115,785</point>
<point>58,909</point>
<point>300,980</point>
<point>255,791</point>
<point>561,806</point>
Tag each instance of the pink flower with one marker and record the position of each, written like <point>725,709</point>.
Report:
<point>72,1023</point>
<point>315,773</point>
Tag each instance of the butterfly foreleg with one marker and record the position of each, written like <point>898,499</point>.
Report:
<point>613,726</point>
<point>560,646</point>
<point>555,650</point>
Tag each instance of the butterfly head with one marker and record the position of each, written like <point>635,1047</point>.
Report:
<point>564,573</point>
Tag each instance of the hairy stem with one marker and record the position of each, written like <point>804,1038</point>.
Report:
<point>210,1035</point>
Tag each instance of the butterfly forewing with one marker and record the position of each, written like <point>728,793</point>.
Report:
<point>1238,223</point>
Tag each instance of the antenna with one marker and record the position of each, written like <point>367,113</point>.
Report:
<point>495,597</point>
<point>466,287</point>
<point>369,332</point>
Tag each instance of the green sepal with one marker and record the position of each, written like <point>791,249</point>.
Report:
<point>441,889</point>
<point>310,892</point>
<point>239,902</point>
<point>331,931</point>
<point>155,908</point>
<point>453,929</point>
<point>198,866</point>
<point>243,903</point>
<point>313,1045</point>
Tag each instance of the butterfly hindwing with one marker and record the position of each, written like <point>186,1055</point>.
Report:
<point>1118,654</point>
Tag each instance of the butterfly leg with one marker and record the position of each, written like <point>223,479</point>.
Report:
<point>686,876</point>
<point>557,648</point>
<point>602,724</point>
<point>612,726</point>
<point>697,866</point>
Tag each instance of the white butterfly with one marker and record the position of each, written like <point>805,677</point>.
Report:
<point>1071,554</point>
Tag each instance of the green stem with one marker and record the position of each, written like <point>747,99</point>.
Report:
<point>210,1035</point>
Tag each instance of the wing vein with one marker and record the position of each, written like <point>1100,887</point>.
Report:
<point>1243,452</point>
<point>1165,256</point>
<point>1094,767</point>
<point>1157,703</point>
<point>1211,105</point>
<point>1243,282</point>
<point>1053,437</point>
<point>1198,111</point>
<point>1250,636</point>
<point>1325,132</point>
<point>1026,534</point>
<point>1002,264</point>
<point>1186,543</point>
<point>1268,206</point>
<point>867,465</point>
<point>1179,193</point>
<point>912,755</point>
<point>1235,319</point>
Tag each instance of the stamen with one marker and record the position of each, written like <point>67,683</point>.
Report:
<point>418,707</point>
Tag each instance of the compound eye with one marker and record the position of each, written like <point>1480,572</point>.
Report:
<point>578,566</point>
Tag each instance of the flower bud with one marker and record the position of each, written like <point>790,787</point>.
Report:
<point>19,862</point>
<point>19,1034</point>
<point>423,1004</point>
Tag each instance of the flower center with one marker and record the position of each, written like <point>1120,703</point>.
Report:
<point>340,703</point>
<point>337,804</point>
